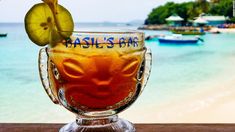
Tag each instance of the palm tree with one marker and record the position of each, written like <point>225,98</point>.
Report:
<point>214,1</point>
<point>197,8</point>
<point>203,5</point>
<point>201,1</point>
<point>233,8</point>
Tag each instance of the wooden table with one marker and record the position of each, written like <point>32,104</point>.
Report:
<point>9,127</point>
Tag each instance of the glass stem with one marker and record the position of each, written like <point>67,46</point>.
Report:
<point>99,124</point>
<point>88,121</point>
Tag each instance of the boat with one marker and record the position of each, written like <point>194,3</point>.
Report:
<point>188,32</point>
<point>3,34</point>
<point>150,37</point>
<point>178,39</point>
<point>214,31</point>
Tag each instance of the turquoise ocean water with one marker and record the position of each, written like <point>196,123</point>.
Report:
<point>177,71</point>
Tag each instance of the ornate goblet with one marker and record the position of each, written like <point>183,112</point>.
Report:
<point>95,75</point>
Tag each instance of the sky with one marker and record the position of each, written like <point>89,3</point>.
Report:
<point>87,10</point>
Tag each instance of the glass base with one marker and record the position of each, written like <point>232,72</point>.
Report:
<point>104,124</point>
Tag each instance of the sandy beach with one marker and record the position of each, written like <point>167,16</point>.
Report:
<point>224,30</point>
<point>214,105</point>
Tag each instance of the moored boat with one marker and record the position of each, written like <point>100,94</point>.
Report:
<point>150,37</point>
<point>178,39</point>
<point>3,34</point>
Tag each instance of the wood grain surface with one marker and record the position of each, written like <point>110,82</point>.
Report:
<point>15,127</point>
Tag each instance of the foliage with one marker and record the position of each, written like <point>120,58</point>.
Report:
<point>190,10</point>
<point>223,7</point>
<point>232,20</point>
<point>159,14</point>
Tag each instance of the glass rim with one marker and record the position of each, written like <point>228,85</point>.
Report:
<point>122,31</point>
<point>103,37</point>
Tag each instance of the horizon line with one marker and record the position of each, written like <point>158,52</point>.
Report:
<point>81,22</point>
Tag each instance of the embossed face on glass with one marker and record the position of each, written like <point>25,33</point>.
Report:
<point>96,73</point>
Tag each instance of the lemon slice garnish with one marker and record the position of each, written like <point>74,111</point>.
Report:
<point>40,21</point>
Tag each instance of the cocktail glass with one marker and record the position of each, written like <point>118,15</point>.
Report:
<point>95,75</point>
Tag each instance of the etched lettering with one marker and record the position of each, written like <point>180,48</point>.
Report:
<point>130,42</point>
<point>122,42</point>
<point>77,41</point>
<point>110,42</point>
<point>67,42</point>
<point>86,40</point>
<point>135,41</point>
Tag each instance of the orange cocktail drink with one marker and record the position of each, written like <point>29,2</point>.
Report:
<point>96,73</point>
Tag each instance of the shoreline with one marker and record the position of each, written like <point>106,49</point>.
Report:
<point>169,28</point>
<point>224,30</point>
<point>166,27</point>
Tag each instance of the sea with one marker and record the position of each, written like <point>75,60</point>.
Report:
<point>178,71</point>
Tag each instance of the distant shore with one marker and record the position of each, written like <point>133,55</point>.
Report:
<point>169,28</point>
<point>154,27</point>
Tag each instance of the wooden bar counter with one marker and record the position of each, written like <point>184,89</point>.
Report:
<point>15,127</point>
